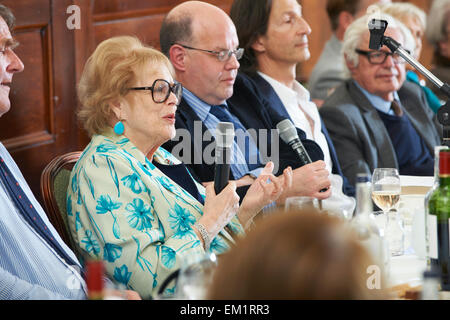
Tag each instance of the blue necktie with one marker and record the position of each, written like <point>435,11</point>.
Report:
<point>250,151</point>
<point>28,211</point>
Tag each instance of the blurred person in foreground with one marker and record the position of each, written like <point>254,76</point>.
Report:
<point>376,119</point>
<point>415,20</point>
<point>438,34</point>
<point>130,202</point>
<point>35,263</point>
<point>328,72</point>
<point>299,254</point>
<point>201,41</point>
<point>274,35</point>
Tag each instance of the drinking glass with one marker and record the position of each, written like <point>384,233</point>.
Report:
<point>195,276</point>
<point>386,188</point>
<point>301,203</point>
<point>386,194</point>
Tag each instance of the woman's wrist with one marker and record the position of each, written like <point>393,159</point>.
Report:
<point>203,235</point>
<point>245,217</point>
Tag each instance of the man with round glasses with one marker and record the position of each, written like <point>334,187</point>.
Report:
<point>201,41</point>
<point>375,118</point>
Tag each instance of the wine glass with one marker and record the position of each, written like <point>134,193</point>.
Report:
<point>386,194</point>
<point>299,202</point>
<point>386,188</point>
<point>195,276</point>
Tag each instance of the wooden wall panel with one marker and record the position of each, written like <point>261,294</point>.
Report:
<point>41,123</point>
<point>145,28</point>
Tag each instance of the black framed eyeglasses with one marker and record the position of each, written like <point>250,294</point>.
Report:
<point>161,90</point>
<point>222,55</point>
<point>379,57</point>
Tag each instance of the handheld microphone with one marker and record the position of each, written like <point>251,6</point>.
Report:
<point>377,29</point>
<point>288,134</point>
<point>224,140</point>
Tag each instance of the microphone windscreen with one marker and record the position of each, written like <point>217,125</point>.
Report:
<point>224,134</point>
<point>287,130</point>
<point>376,29</point>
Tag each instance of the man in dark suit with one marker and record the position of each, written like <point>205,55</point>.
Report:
<point>270,60</point>
<point>376,119</point>
<point>201,42</point>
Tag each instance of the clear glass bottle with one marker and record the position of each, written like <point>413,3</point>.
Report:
<point>365,224</point>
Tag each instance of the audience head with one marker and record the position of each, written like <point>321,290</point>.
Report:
<point>106,91</point>
<point>412,17</point>
<point>344,12</point>
<point>201,41</point>
<point>295,255</point>
<point>9,61</point>
<point>438,27</point>
<point>272,31</point>
<point>384,73</point>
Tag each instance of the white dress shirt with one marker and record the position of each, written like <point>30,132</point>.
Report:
<point>292,99</point>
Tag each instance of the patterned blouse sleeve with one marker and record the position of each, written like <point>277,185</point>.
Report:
<point>130,224</point>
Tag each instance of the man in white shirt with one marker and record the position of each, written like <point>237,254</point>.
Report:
<point>270,59</point>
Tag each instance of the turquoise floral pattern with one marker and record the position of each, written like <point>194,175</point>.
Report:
<point>124,210</point>
<point>140,216</point>
<point>181,221</point>
<point>134,182</point>
<point>122,275</point>
<point>112,252</point>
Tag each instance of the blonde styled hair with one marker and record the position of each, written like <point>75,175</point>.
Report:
<point>108,73</point>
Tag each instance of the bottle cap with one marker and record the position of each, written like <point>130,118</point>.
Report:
<point>444,163</point>
<point>362,177</point>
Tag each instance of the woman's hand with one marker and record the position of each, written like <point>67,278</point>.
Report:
<point>264,190</point>
<point>219,209</point>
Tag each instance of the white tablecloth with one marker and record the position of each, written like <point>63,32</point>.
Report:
<point>406,269</point>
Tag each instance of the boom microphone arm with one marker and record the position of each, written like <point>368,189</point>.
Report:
<point>377,40</point>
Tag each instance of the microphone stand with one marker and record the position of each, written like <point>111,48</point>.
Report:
<point>443,113</point>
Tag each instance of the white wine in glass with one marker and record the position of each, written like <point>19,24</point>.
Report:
<point>386,188</point>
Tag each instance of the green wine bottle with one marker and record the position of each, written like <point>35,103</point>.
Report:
<point>438,222</point>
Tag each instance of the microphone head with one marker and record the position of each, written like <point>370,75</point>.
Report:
<point>377,28</point>
<point>224,134</point>
<point>287,130</point>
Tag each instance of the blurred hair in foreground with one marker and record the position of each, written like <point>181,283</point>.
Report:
<point>299,254</point>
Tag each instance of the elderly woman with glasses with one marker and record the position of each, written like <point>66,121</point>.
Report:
<point>132,203</point>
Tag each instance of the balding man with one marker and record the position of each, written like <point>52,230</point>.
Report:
<point>376,119</point>
<point>201,42</point>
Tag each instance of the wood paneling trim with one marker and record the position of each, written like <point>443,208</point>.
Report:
<point>114,16</point>
<point>27,141</point>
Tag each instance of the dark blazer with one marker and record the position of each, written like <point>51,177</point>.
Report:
<point>359,135</point>
<point>275,102</point>
<point>253,112</point>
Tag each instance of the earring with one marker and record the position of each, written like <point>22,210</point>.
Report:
<point>119,128</point>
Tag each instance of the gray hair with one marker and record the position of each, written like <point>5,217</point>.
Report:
<point>404,10</point>
<point>356,31</point>
<point>8,16</point>
<point>439,11</point>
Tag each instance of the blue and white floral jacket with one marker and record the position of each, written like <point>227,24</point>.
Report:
<point>124,210</point>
